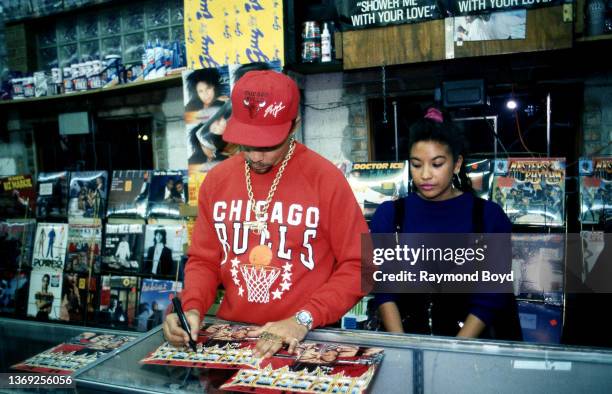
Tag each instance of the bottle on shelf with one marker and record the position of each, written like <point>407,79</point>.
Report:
<point>326,44</point>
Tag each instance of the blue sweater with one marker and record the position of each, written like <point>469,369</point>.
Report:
<point>449,216</point>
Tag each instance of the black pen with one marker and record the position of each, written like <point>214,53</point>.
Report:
<point>183,320</point>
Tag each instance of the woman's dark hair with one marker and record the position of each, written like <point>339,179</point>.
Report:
<point>47,276</point>
<point>163,234</point>
<point>439,129</point>
<point>209,76</point>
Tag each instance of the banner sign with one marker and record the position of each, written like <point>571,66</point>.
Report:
<point>362,14</point>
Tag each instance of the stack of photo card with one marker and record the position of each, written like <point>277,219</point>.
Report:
<point>531,191</point>
<point>88,193</point>
<point>376,182</point>
<point>84,248</point>
<point>539,267</point>
<point>595,190</point>
<point>123,247</point>
<point>163,251</point>
<point>168,190</point>
<point>118,300</point>
<point>316,367</point>
<point>155,296</point>
<point>129,194</point>
<point>17,197</point>
<point>480,173</point>
<point>16,241</point>
<point>74,354</point>
<point>52,201</point>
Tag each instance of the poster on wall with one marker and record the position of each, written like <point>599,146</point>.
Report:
<point>505,25</point>
<point>224,32</point>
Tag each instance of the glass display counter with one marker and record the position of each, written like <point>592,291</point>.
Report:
<point>21,339</point>
<point>412,364</point>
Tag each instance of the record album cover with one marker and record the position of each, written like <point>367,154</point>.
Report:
<point>531,191</point>
<point>14,286</point>
<point>84,248</point>
<point>155,296</point>
<point>88,194</point>
<point>17,197</point>
<point>78,297</point>
<point>52,199</point>
<point>164,245</point>
<point>123,245</point>
<point>129,194</point>
<point>44,301</point>
<point>16,242</point>
<point>376,182</point>
<point>167,191</point>
<point>595,190</point>
<point>50,246</point>
<point>118,300</point>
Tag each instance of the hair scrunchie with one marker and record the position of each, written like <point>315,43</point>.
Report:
<point>435,115</point>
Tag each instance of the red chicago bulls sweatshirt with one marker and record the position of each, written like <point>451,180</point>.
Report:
<point>314,227</point>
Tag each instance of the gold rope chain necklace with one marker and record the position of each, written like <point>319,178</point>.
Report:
<point>259,225</point>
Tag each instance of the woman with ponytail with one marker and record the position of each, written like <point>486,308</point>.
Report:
<point>442,201</point>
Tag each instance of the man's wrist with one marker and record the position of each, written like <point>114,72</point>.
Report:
<point>304,318</point>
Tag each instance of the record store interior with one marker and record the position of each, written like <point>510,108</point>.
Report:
<point>124,130</point>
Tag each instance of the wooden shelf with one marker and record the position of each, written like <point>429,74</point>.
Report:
<point>601,37</point>
<point>167,81</point>
<point>316,68</point>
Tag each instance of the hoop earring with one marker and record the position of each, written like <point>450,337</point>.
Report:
<point>456,180</point>
<point>410,186</point>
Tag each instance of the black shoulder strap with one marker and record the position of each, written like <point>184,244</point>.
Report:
<point>478,215</point>
<point>399,209</point>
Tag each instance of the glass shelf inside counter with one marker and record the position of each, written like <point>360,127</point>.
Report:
<point>411,363</point>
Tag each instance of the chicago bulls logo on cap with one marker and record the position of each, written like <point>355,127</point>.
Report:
<point>264,106</point>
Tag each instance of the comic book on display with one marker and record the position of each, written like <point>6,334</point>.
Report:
<point>595,190</point>
<point>17,197</point>
<point>87,198</point>
<point>73,354</point>
<point>44,301</point>
<point>52,201</point>
<point>155,296</point>
<point>539,267</point>
<point>123,245</point>
<point>14,287</point>
<point>84,248</point>
<point>129,194</point>
<point>79,296</point>
<point>16,242</point>
<point>316,367</point>
<point>167,191</point>
<point>118,300</point>
<point>531,191</point>
<point>480,174</point>
<point>49,250</point>
<point>163,251</point>
<point>376,182</point>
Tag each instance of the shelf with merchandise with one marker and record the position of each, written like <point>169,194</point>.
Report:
<point>174,79</point>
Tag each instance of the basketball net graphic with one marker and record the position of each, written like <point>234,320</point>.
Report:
<point>259,275</point>
<point>258,280</point>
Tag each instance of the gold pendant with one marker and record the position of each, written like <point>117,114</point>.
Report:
<point>256,226</point>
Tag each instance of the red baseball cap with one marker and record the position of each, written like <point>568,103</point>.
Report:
<point>264,105</point>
